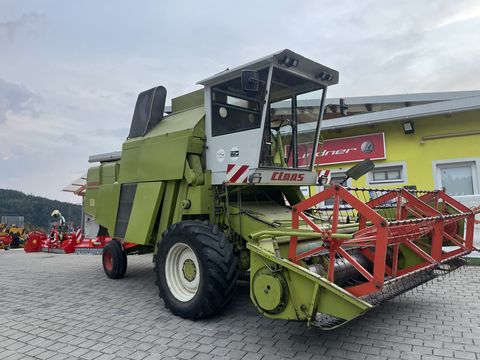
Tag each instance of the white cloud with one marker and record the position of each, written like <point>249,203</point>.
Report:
<point>17,99</point>
<point>470,13</point>
<point>27,25</point>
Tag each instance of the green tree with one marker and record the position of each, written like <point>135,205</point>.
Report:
<point>36,209</point>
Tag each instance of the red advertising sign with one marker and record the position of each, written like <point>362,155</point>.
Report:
<point>344,150</point>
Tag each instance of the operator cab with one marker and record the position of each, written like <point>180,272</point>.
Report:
<point>252,120</point>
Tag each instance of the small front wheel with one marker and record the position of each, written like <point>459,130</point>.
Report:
<point>114,260</point>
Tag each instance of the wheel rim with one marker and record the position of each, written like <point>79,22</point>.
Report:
<point>182,272</point>
<point>108,261</point>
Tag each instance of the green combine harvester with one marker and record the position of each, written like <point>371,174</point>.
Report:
<point>214,189</point>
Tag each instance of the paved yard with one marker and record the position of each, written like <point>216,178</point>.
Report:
<point>63,307</point>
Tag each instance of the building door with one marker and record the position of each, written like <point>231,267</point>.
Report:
<point>459,178</point>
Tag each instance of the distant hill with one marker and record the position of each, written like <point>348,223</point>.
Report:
<point>36,209</point>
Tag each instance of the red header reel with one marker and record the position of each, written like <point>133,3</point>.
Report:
<point>381,235</point>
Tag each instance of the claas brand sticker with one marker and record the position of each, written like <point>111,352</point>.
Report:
<point>285,176</point>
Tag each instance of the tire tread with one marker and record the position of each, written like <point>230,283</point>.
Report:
<point>220,263</point>
<point>119,260</point>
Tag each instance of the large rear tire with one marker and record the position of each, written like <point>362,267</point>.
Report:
<point>196,269</point>
<point>114,260</point>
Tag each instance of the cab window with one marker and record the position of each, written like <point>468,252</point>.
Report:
<point>235,110</point>
<point>294,102</point>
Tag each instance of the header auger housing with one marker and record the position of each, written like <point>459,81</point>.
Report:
<point>214,189</point>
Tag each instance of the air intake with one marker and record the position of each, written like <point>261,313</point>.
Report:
<point>149,111</point>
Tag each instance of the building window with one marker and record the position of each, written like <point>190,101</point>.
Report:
<point>458,178</point>
<point>387,175</point>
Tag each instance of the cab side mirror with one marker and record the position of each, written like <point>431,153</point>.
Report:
<point>250,80</point>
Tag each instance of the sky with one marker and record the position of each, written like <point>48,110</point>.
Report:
<point>70,71</point>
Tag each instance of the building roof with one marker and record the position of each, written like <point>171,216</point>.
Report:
<point>400,107</point>
<point>413,98</point>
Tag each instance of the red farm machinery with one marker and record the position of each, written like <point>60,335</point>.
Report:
<point>5,238</point>
<point>378,243</point>
<point>60,239</point>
